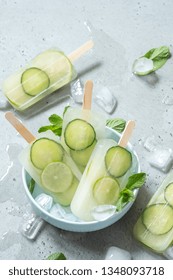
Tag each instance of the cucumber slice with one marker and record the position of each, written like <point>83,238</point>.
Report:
<point>79,134</point>
<point>168,193</point>
<point>158,218</point>
<point>118,160</point>
<point>56,65</point>
<point>66,197</point>
<point>44,151</point>
<point>34,81</point>
<point>57,177</point>
<point>82,157</point>
<point>106,190</point>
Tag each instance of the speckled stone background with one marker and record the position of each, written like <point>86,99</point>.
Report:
<point>123,31</point>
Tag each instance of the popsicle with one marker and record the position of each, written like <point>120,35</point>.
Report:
<point>154,227</point>
<point>47,72</point>
<point>105,175</point>
<point>81,129</point>
<point>48,164</point>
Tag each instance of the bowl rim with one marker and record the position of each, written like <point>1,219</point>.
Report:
<point>80,223</point>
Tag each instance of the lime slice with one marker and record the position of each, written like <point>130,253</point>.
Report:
<point>65,198</point>
<point>106,190</point>
<point>57,177</point>
<point>44,151</point>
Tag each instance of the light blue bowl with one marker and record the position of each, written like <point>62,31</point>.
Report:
<point>81,226</point>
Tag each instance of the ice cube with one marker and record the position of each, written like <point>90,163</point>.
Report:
<point>77,91</point>
<point>142,66</point>
<point>58,211</point>
<point>33,223</point>
<point>150,143</point>
<point>105,99</point>
<point>103,212</point>
<point>168,100</point>
<point>71,217</point>
<point>45,201</point>
<point>115,253</point>
<point>32,226</point>
<point>169,253</point>
<point>162,159</point>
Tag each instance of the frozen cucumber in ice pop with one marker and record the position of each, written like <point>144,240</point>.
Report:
<point>98,186</point>
<point>47,162</point>
<point>82,128</point>
<point>154,227</point>
<point>51,167</point>
<point>105,175</point>
<point>46,73</point>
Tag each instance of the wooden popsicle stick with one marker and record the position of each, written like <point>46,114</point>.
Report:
<point>24,132</point>
<point>81,51</point>
<point>87,99</point>
<point>126,133</point>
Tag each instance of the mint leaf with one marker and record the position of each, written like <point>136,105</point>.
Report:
<point>126,195</point>
<point>116,124</point>
<point>31,185</point>
<point>65,110</point>
<point>55,119</point>
<point>55,126</point>
<point>56,256</point>
<point>57,131</point>
<point>44,128</point>
<point>159,56</point>
<point>136,181</point>
<point>158,53</point>
<point>151,61</point>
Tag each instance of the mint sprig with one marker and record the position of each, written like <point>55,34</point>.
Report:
<point>55,125</point>
<point>157,56</point>
<point>135,181</point>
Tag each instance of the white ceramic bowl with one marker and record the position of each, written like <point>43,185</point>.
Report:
<point>74,225</point>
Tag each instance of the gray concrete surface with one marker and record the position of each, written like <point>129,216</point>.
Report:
<point>123,30</point>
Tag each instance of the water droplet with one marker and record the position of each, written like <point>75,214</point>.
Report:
<point>167,100</point>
